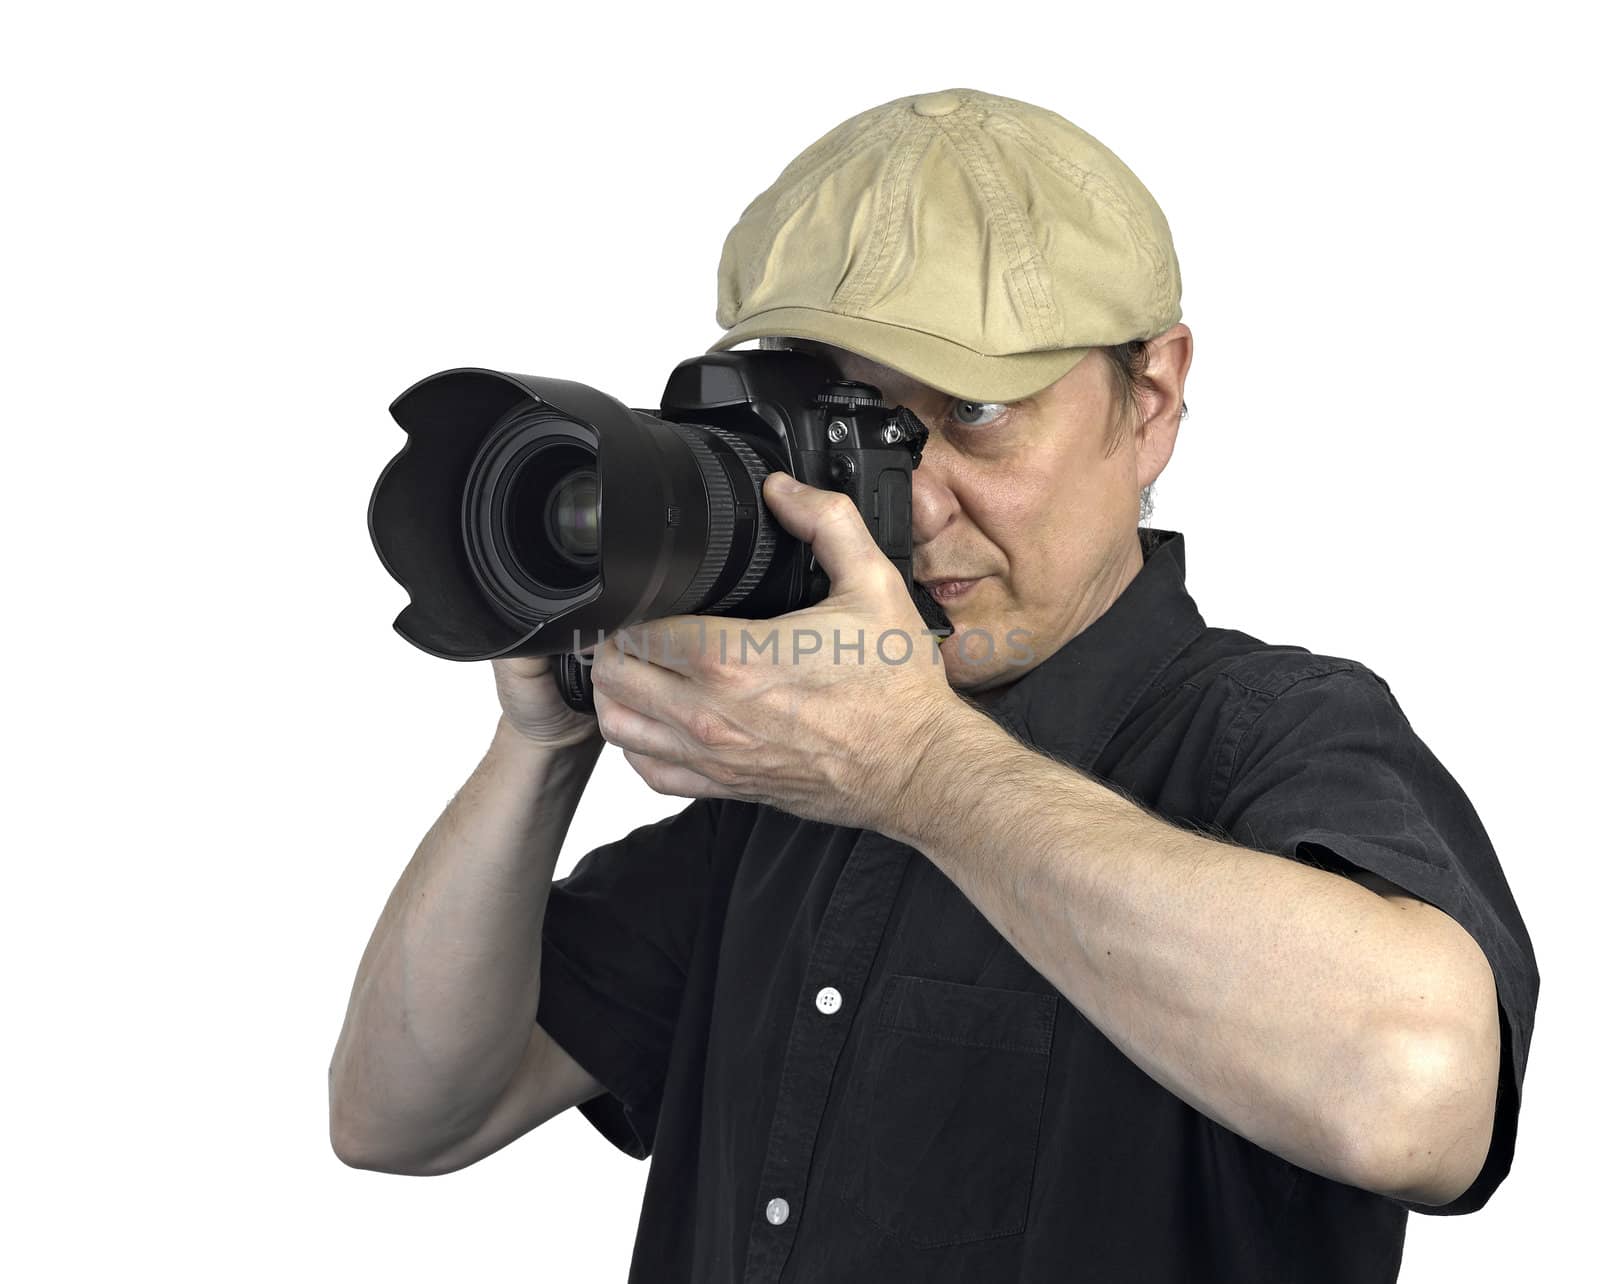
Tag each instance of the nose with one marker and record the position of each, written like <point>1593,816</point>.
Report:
<point>933,503</point>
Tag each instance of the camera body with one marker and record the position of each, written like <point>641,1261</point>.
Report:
<point>827,431</point>
<point>533,516</point>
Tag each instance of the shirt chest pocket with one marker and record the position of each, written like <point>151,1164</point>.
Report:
<point>941,1119</point>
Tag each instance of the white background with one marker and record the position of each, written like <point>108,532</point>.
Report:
<point>237,232</point>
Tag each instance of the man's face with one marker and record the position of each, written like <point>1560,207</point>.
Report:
<point>1023,506</point>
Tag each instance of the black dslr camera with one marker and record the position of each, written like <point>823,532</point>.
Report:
<point>533,516</point>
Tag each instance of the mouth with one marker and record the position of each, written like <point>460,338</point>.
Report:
<point>948,589</point>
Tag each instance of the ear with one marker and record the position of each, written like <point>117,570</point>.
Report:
<point>1161,407</point>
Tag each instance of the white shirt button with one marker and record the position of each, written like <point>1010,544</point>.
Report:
<point>828,1000</point>
<point>777,1211</point>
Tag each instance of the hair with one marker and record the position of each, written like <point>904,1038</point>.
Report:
<point>1128,363</point>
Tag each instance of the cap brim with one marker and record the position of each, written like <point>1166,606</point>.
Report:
<point>952,369</point>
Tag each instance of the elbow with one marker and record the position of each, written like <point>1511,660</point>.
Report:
<point>356,1150</point>
<point>412,1144</point>
<point>351,1146</point>
<point>1430,1145</point>
<point>352,1153</point>
<point>357,1143</point>
<point>361,1142</point>
<point>1429,1135</point>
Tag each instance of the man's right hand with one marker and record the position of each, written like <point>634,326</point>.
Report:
<point>533,705</point>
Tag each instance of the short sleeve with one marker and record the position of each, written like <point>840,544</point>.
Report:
<point>619,931</point>
<point>1327,770</point>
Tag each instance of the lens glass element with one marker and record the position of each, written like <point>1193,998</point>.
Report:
<point>572,517</point>
<point>550,533</point>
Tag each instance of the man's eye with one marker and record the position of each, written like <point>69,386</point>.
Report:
<point>971,413</point>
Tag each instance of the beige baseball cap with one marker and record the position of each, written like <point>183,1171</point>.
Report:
<point>980,245</point>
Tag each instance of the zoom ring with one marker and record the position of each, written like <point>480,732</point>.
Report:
<point>719,523</point>
<point>766,540</point>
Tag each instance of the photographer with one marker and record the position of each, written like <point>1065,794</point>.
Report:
<point>1142,950</point>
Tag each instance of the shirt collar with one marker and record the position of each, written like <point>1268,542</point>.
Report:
<point>1072,703</point>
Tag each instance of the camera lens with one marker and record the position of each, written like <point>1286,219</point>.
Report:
<point>572,517</point>
<point>526,512</point>
<point>531,511</point>
<point>548,533</point>
<point>734,548</point>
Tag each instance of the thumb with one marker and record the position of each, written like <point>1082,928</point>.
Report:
<point>829,521</point>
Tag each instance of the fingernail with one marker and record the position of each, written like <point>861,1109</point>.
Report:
<point>783,483</point>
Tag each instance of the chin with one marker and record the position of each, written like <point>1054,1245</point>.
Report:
<point>984,671</point>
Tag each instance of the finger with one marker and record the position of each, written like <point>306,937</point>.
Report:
<point>628,665</point>
<point>682,644</point>
<point>631,731</point>
<point>522,666</point>
<point>830,522</point>
<point>669,778</point>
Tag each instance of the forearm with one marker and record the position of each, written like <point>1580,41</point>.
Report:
<point>1271,996</point>
<point>446,993</point>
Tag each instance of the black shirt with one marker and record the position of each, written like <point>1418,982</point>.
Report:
<point>844,1073</point>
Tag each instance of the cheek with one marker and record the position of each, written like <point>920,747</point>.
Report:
<point>1005,509</point>
<point>1049,519</point>
<point>1024,518</point>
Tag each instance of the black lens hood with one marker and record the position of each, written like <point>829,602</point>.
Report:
<point>416,522</point>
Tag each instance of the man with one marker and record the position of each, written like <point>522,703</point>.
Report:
<point>1090,943</point>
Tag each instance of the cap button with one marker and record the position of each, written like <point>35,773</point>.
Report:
<point>940,104</point>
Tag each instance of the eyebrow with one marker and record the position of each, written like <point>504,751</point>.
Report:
<point>1016,405</point>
